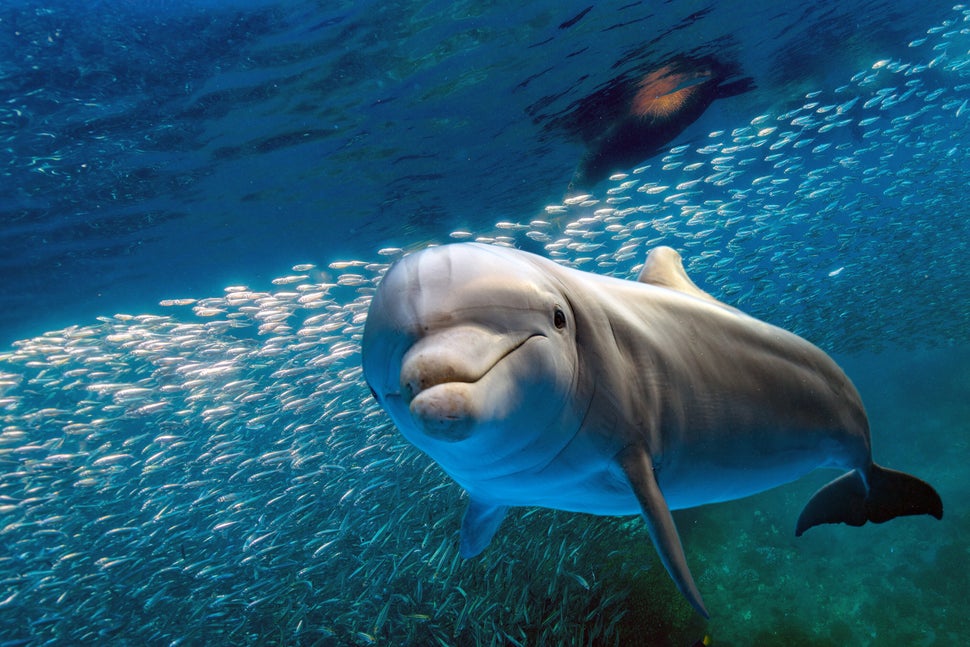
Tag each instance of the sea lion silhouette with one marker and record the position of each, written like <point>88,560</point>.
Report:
<point>632,121</point>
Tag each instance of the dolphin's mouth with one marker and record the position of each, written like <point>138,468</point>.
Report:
<point>443,398</point>
<point>424,370</point>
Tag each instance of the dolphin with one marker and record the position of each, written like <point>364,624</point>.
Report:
<point>533,384</point>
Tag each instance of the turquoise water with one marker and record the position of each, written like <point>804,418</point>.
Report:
<point>209,468</point>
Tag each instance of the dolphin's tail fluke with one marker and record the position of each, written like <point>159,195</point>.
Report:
<point>884,494</point>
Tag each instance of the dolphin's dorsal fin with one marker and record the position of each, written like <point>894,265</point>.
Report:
<point>664,268</point>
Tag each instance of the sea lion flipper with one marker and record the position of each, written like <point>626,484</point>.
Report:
<point>660,524</point>
<point>478,526</point>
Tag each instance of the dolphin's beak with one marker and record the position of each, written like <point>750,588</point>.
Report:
<point>461,354</point>
<point>438,376</point>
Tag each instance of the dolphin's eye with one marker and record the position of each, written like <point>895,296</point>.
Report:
<point>559,318</point>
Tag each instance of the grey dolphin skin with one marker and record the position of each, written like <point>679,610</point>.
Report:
<point>533,384</point>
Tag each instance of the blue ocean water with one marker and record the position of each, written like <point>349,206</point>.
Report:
<point>199,197</point>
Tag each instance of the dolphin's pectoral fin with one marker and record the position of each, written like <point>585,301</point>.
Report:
<point>889,494</point>
<point>665,268</point>
<point>637,466</point>
<point>478,526</point>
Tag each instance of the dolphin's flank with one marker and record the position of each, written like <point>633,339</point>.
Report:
<point>532,384</point>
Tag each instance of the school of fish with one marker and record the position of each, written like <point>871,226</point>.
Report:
<point>220,474</point>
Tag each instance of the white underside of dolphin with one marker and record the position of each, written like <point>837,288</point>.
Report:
<point>532,384</point>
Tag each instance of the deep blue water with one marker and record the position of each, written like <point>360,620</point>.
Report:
<point>215,471</point>
<point>170,148</point>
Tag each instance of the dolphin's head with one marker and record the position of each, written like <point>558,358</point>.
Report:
<point>471,350</point>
